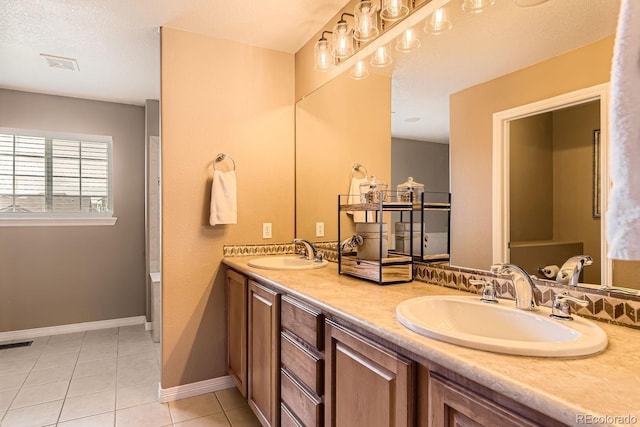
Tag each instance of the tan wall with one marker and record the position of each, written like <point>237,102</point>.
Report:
<point>471,113</point>
<point>217,96</point>
<point>60,275</point>
<point>336,126</point>
<point>572,164</point>
<point>531,155</point>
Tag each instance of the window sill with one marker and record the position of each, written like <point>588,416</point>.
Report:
<point>56,222</point>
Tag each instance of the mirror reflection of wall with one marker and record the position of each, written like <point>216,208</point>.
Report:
<point>551,189</point>
<point>427,163</point>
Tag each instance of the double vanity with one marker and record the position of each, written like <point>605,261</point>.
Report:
<point>314,348</point>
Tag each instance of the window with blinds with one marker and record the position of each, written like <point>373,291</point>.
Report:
<point>47,174</point>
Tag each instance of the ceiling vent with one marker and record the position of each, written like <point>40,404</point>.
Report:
<point>61,62</point>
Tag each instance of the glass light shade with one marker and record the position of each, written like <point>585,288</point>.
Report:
<point>476,6</point>
<point>322,55</point>
<point>342,40</point>
<point>439,21</point>
<point>381,57</point>
<point>366,21</point>
<point>359,71</point>
<point>408,41</point>
<point>392,10</point>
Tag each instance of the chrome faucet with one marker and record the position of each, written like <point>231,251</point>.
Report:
<point>569,273</point>
<point>522,284</point>
<point>311,252</point>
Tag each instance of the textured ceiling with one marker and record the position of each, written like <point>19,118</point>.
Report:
<point>116,44</point>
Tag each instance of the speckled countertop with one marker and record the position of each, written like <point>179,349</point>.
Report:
<point>607,384</point>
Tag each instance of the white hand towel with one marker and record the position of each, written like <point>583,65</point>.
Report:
<point>623,216</point>
<point>224,205</point>
<point>354,198</point>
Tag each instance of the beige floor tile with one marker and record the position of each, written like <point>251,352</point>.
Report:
<point>62,347</point>
<point>50,360</point>
<point>67,338</point>
<point>13,381</point>
<point>49,375</point>
<point>95,367</point>
<point>108,351</point>
<point>242,417</point>
<point>131,376</point>
<point>231,398</point>
<point>37,415</point>
<point>12,366</point>
<point>147,415</point>
<point>215,420</point>
<point>100,341</point>
<point>136,395</point>
<point>135,347</point>
<point>21,352</point>
<point>194,407</point>
<point>28,396</point>
<point>136,361</point>
<point>88,405</point>
<point>102,420</point>
<point>6,397</point>
<point>92,384</point>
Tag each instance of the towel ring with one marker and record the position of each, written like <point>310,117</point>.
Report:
<point>358,166</point>
<point>220,157</point>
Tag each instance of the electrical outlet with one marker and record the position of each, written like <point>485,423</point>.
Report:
<point>319,229</point>
<point>266,230</point>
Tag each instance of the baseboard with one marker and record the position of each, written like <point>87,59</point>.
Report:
<point>67,329</point>
<point>194,389</point>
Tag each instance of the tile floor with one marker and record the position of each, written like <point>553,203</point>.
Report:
<point>107,377</point>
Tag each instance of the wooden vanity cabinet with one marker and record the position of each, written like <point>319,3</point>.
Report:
<point>365,383</point>
<point>454,401</point>
<point>237,329</point>
<point>302,361</point>
<point>263,377</point>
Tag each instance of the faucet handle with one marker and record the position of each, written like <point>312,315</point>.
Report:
<point>561,310</point>
<point>488,290</point>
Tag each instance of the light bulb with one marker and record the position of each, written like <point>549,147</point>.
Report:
<point>359,71</point>
<point>476,6</point>
<point>439,21</point>
<point>392,10</point>
<point>322,54</point>
<point>342,40</point>
<point>366,21</point>
<point>381,57</point>
<point>408,41</point>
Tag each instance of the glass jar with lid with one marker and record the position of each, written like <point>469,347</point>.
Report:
<point>373,191</point>
<point>410,191</point>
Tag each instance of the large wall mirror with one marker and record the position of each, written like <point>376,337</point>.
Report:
<point>478,49</point>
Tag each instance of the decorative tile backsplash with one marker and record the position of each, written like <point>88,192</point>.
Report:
<point>603,306</point>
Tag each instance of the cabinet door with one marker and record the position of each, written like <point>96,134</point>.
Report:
<point>237,329</point>
<point>366,384</point>
<point>264,354</point>
<point>451,405</point>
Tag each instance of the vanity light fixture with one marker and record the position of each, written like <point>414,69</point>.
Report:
<point>381,57</point>
<point>342,39</point>
<point>359,71</point>
<point>439,21</point>
<point>408,41</point>
<point>366,21</point>
<point>392,10</point>
<point>322,53</point>
<point>476,6</point>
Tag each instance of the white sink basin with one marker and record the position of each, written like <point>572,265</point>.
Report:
<point>501,327</point>
<point>288,262</point>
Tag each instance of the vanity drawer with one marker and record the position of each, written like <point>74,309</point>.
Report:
<point>287,419</point>
<point>306,407</point>
<point>303,321</point>
<point>301,362</point>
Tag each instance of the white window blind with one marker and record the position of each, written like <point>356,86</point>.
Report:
<point>43,174</point>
